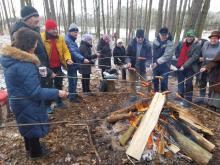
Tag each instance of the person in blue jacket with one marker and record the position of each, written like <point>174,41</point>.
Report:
<point>22,79</point>
<point>77,58</point>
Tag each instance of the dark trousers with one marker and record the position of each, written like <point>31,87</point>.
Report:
<point>123,72</point>
<point>161,70</point>
<point>32,145</point>
<point>185,88</point>
<point>58,81</point>
<point>86,82</point>
<point>102,73</point>
<point>72,72</point>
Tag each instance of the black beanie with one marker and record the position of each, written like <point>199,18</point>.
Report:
<point>28,12</point>
<point>140,33</point>
<point>164,31</point>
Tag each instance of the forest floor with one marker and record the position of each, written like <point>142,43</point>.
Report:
<point>71,144</point>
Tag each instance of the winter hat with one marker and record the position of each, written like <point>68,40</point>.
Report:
<point>164,31</point>
<point>190,33</point>
<point>215,34</point>
<point>119,41</point>
<point>87,37</point>
<point>73,28</point>
<point>50,24</point>
<point>28,12</point>
<point>140,33</point>
<point>106,38</point>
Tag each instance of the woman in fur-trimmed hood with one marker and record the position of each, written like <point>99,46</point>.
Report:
<point>22,81</point>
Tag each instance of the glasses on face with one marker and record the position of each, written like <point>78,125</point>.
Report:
<point>76,30</point>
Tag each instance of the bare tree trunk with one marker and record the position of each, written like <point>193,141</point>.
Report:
<point>103,16</point>
<point>47,9</point>
<point>53,13</point>
<point>159,16</point>
<point>64,16</point>
<point>9,11</point>
<point>118,20</point>
<point>97,2</point>
<point>178,22</point>
<point>3,16</point>
<point>94,7</point>
<point>6,15</point>
<point>82,18</point>
<point>172,16</point>
<point>145,14</point>
<point>181,21</point>
<point>127,13</point>
<point>165,14</point>
<point>22,3</point>
<point>73,11</point>
<point>108,24</point>
<point>13,11</point>
<point>1,24</point>
<point>58,15</point>
<point>136,15</point>
<point>69,13</point>
<point>193,14</point>
<point>85,16</point>
<point>202,17</point>
<point>141,15</point>
<point>113,18</point>
<point>131,19</point>
<point>148,20</point>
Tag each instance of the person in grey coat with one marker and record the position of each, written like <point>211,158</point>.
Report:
<point>163,50</point>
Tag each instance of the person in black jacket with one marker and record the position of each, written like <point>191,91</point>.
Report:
<point>30,19</point>
<point>104,49</point>
<point>86,52</point>
<point>119,60</point>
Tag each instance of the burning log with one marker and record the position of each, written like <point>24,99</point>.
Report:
<point>190,148</point>
<point>116,117</point>
<point>139,105</point>
<point>147,125</point>
<point>186,116</point>
<point>127,135</point>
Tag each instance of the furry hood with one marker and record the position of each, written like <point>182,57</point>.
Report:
<point>17,54</point>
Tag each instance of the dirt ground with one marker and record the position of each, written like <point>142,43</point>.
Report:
<point>71,144</point>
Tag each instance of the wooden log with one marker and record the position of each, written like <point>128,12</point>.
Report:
<point>117,117</point>
<point>201,140</point>
<point>111,85</point>
<point>132,107</point>
<point>127,135</point>
<point>186,116</point>
<point>190,148</point>
<point>147,125</point>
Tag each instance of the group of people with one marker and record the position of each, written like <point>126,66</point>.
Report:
<point>33,68</point>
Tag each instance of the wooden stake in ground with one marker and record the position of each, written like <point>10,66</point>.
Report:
<point>147,125</point>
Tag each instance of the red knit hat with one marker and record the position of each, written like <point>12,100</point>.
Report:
<point>50,24</point>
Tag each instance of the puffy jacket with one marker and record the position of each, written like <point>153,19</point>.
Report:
<point>85,50</point>
<point>193,55</point>
<point>119,51</point>
<point>40,49</point>
<point>146,52</point>
<point>163,51</point>
<point>22,81</point>
<point>62,49</point>
<point>105,51</point>
<point>74,51</point>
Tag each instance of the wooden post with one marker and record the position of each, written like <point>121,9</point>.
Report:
<point>111,85</point>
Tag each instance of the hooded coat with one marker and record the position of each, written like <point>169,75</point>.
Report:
<point>23,81</point>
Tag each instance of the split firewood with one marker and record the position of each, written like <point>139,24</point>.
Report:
<point>190,148</point>
<point>116,117</point>
<point>187,117</point>
<point>127,135</point>
<point>146,126</point>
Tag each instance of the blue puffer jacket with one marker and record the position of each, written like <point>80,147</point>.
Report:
<point>22,81</point>
<point>74,51</point>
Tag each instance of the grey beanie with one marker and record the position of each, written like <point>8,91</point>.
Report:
<point>87,37</point>
<point>73,28</point>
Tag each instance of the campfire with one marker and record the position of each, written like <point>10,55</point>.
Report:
<point>157,128</point>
